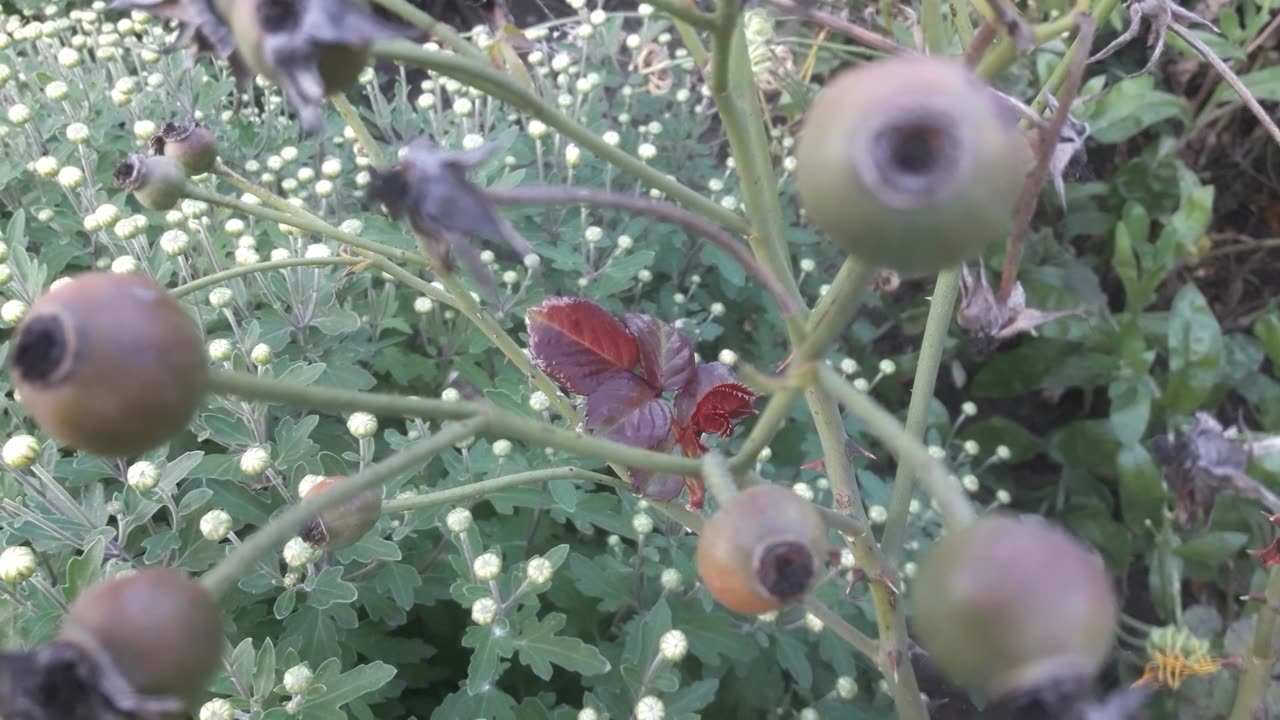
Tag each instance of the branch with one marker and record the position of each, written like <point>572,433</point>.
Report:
<point>695,224</point>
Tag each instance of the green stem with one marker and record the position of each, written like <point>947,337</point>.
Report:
<point>504,88</point>
<point>935,37</point>
<point>306,222</point>
<point>1261,656</point>
<point>835,310</point>
<point>723,37</point>
<point>484,487</point>
<point>268,266</point>
<point>718,477</point>
<point>424,22</point>
<point>497,422</point>
<point>952,500</point>
<point>963,23</point>
<point>351,116</point>
<point>225,574</point>
<point>766,427</point>
<point>941,306</point>
<point>686,14</point>
<point>841,627</point>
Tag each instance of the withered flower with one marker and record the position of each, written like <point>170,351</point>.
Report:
<point>310,48</point>
<point>989,320</point>
<point>1202,462</point>
<point>430,189</point>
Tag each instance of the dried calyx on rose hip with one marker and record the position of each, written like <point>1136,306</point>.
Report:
<point>345,523</point>
<point>191,144</point>
<point>910,163</point>
<point>310,48</point>
<point>143,645</point>
<point>763,550</point>
<point>109,363</point>
<point>157,182</point>
<point>1017,608</point>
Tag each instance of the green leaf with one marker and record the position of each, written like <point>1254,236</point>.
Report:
<point>688,700</point>
<point>1125,262</point>
<point>793,655</point>
<point>1212,549</point>
<point>243,660</point>
<point>284,604</point>
<point>1142,491</point>
<point>328,588</point>
<point>540,648</point>
<point>264,670</point>
<point>1131,399</point>
<point>491,644</point>
<point>1165,577</point>
<point>194,500</point>
<point>1130,107</point>
<point>1195,351</point>
<point>1267,329</point>
<point>84,570</point>
<point>996,431</point>
<point>400,581</point>
<point>353,684</point>
<point>593,578</point>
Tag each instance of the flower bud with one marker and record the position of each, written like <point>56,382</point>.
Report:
<point>299,553</point>
<point>255,461</point>
<point>458,520</point>
<point>143,476</point>
<point>260,354</point>
<point>217,709</point>
<point>673,645</point>
<point>487,566</point>
<point>17,564</point>
<point>298,679</point>
<point>216,525</point>
<point>484,611</point>
<point>362,425</point>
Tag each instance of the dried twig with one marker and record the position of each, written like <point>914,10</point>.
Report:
<point>1049,135</point>
<point>861,35</point>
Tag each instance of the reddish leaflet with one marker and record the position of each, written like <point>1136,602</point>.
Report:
<point>624,368</point>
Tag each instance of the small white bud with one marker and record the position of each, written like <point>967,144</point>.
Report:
<point>971,447</point>
<point>673,645</point>
<point>70,177</point>
<point>813,623</point>
<point>451,395</point>
<point>588,714</point>
<point>143,476</point>
<point>910,569</point>
<point>808,265</point>
<point>17,564</point>
<point>215,525</point>
<point>846,687</point>
<point>970,483</point>
<point>650,707</point>
<point>502,447</point>
<point>362,425</point>
<point>647,151</point>
<point>298,553</point>
<point>307,483</point>
<point>572,155</point>
<point>877,514</point>
<point>937,452</point>
<point>260,354</point>
<point>1003,497</point>
<point>47,166</point>
<point>728,357</point>
<point>220,350</point>
<point>20,451</point>
<point>174,242</point>
<point>671,579</point>
<point>888,367</point>
<point>539,401</point>
<point>221,297</point>
<point>487,566</point>
<point>532,261</point>
<point>642,523</point>
<point>298,679</point>
<point>217,709</point>
<point>716,309</point>
<point>484,611</point>
<point>539,570</point>
<point>255,461</point>
<point>847,560</point>
<point>13,311</point>
<point>803,490</point>
<point>1003,453</point>
<point>458,520</point>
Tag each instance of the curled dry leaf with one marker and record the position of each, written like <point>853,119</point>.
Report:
<point>1160,14</point>
<point>1201,462</point>
<point>430,189</point>
<point>987,319</point>
<point>654,62</point>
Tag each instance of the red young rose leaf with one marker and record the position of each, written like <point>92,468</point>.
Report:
<point>619,393</point>
<point>1269,555</point>
<point>666,355</point>
<point>721,407</point>
<point>705,377</point>
<point>578,343</point>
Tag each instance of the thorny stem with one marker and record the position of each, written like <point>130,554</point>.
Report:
<point>424,22</point>
<point>1059,74</point>
<point>841,627</point>
<point>941,306</point>
<point>224,575</point>
<point>351,116</point>
<point>565,194</point>
<point>833,313</point>
<point>935,38</point>
<point>718,476</point>
<point>1261,653</point>
<point>952,501</point>
<point>860,35</point>
<point>1026,205</point>
<point>505,88</point>
<point>495,421</point>
<point>766,426</point>
<point>484,487</point>
<point>260,267</point>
